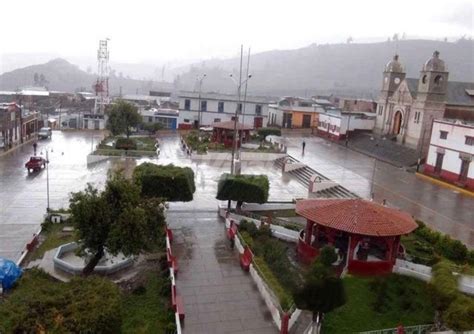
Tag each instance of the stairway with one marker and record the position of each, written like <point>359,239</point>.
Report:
<point>303,175</point>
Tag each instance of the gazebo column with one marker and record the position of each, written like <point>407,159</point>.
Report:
<point>330,234</point>
<point>309,232</point>
<point>353,240</point>
<point>395,246</point>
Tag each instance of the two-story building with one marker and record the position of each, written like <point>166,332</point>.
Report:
<point>451,152</point>
<point>16,125</point>
<point>204,109</point>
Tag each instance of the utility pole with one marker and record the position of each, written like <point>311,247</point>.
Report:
<point>372,194</point>
<point>245,101</point>
<point>47,179</point>
<point>200,80</point>
<point>234,140</point>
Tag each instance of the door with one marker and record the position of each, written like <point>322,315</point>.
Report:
<point>464,170</point>
<point>257,122</point>
<point>96,124</point>
<point>306,121</point>
<point>439,162</point>
<point>287,120</point>
<point>86,124</point>
<point>397,123</point>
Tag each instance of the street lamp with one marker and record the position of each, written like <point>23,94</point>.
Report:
<point>239,89</point>
<point>200,79</point>
<point>47,177</point>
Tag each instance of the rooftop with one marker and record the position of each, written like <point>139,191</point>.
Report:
<point>223,97</point>
<point>356,216</point>
<point>229,125</point>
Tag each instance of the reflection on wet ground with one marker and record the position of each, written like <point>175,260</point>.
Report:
<point>219,297</point>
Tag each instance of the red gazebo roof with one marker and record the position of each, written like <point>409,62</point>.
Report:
<point>356,216</point>
<point>229,125</point>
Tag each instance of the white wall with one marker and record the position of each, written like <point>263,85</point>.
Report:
<point>328,120</point>
<point>452,146</point>
<point>208,117</point>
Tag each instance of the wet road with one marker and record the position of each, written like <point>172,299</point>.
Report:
<point>442,208</point>
<point>23,197</point>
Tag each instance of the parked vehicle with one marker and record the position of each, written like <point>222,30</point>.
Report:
<point>35,164</point>
<point>45,133</point>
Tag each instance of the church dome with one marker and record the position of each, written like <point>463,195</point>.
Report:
<point>394,65</point>
<point>434,63</point>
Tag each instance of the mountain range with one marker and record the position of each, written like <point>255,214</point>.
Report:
<point>348,69</point>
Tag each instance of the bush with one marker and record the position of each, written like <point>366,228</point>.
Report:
<point>443,286</point>
<point>243,188</point>
<point>453,250</point>
<point>169,182</point>
<point>460,314</point>
<point>327,256</point>
<point>39,304</point>
<point>264,132</point>
<point>152,127</point>
<point>249,227</point>
<point>125,144</point>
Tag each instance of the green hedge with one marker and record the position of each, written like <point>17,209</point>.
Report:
<point>263,132</point>
<point>243,188</point>
<point>125,144</point>
<point>172,183</point>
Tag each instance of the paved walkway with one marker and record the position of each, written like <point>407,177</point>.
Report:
<point>219,297</point>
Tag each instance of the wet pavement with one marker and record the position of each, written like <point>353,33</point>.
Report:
<point>441,208</point>
<point>23,197</point>
<point>218,296</point>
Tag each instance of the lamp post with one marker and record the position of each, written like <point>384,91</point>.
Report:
<point>200,79</point>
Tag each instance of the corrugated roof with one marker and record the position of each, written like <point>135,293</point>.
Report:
<point>356,216</point>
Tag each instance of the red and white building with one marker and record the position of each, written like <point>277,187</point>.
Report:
<point>336,124</point>
<point>451,152</point>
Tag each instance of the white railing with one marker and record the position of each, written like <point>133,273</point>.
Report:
<point>420,329</point>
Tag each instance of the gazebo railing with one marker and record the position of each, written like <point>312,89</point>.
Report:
<point>419,329</point>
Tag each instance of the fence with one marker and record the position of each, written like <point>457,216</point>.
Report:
<point>420,329</point>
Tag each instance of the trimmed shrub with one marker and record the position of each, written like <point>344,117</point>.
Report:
<point>243,188</point>
<point>249,227</point>
<point>264,132</point>
<point>125,144</point>
<point>460,314</point>
<point>175,184</point>
<point>443,286</point>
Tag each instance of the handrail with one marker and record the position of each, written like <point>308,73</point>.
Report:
<point>417,329</point>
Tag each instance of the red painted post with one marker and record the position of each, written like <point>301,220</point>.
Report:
<point>285,320</point>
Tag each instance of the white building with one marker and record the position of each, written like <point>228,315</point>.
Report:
<point>451,152</point>
<point>168,118</point>
<point>335,124</point>
<point>215,107</point>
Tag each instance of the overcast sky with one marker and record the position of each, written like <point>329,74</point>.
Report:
<point>176,29</point>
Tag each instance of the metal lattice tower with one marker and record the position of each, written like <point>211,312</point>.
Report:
<point>101,87</point>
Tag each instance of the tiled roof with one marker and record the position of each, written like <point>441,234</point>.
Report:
<point>356,216</point>
<point>456,92</point>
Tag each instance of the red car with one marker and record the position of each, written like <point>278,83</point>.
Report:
<point>35,164</point>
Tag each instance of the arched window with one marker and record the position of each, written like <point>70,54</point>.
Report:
<point>423,79</point>
<point>438,80</point>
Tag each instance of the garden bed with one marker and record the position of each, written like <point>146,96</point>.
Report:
<point>138,146</point>
<point>383,302</point>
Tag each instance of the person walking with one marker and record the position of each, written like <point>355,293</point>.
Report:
<point>303,145</point>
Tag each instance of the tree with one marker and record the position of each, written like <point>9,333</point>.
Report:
<point>172,183</point>
<point>123,116</point>
<point>243,188</point>
<point>322,290</point>
<point>115,220</point>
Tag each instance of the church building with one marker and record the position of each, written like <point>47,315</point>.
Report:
<point>407,107</point>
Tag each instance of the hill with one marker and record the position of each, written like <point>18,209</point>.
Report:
<point>346,69</point>
<point>58,74</point>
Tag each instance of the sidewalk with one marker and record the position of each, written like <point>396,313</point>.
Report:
<point>218,296</point>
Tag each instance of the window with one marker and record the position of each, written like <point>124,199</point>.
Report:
<point>424,79</point>
<point>150,119</point>
<point>203,105</point>
<point>443,134</point>
<point>187,104</point>
<point>438,80</point>
<point>469,141</point>
<point>258,109</point>
<point>186,120</point>
<point>239,108</point>
<point>220,106</point>
<point>416,119</point>
<point>217,120</point>
<point>380,109</point>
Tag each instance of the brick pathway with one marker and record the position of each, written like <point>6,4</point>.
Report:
<point>218,296</point>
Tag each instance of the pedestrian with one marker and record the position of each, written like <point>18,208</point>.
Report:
<point>304,145</point>
<point>35,145</point>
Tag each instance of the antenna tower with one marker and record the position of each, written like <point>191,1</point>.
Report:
<point>101,87</point>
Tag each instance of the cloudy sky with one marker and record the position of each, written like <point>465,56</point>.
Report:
<point>178,30</point>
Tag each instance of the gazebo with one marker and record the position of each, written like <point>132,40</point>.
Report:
<point>223,132</point>
<point>365,234</point>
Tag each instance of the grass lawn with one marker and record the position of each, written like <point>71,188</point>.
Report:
<point>148,310</point>
<point>399,300</point>
<point>53,237</point>
<point>145,146</point>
